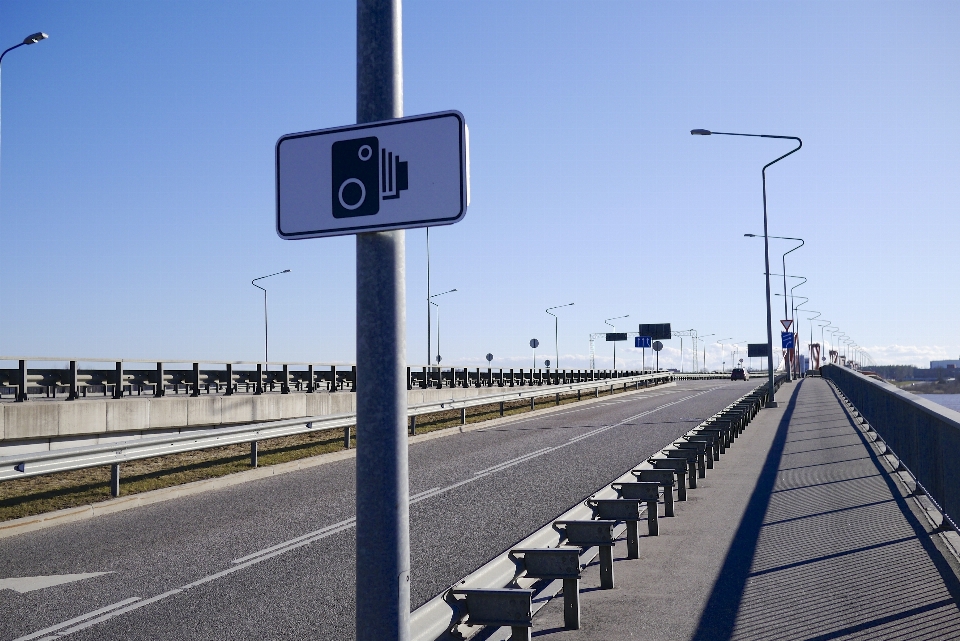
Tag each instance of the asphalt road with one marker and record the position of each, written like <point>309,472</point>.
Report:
<point>273,558</point>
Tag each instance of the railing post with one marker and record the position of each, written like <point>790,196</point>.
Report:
<point>333,378</point>
<point>74,388</point>
<point>259,389</point>
<point>312,381</point>
<point>115,480</point>
<point>354,381</point>
<point>254,454</point>
<point>22,382</point>
<point>229,390</point>
<point>118,388</point>
<point>196,380</point>
<point>512,378</point>
<point>285,387</point>
<point>413,425</point>
<point>158,390</point>
<point>409,380</point>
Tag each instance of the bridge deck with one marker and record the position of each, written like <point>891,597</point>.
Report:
<point>801,532</point>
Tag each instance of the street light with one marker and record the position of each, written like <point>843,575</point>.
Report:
<point>266,334</point>
<point>32,39</point>
<point>766,241</point>
<point>723,362</point>
<point>449,291</point>
<point>556,332</point>
<point>615,342</point>
<point>703,363</point>
<point>784,263</point>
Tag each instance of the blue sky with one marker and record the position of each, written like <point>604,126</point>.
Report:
<point>137,184</point>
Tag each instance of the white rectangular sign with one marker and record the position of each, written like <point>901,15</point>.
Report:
<point>395,174</point>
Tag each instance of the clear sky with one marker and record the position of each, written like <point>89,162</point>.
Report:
<point>137,184</point>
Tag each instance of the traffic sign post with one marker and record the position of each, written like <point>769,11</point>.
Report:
<point>643,342</point>
<point>375,179</point>
<point>534,344</point>
<point>657,346</point>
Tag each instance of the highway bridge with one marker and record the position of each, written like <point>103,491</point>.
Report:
<point>826,517</point>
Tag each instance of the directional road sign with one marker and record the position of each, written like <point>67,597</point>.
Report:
<point>643,341</point>
<point>758,350</point>
<point>786,338</point>
<point>394,174</point>
<point>657,331</point>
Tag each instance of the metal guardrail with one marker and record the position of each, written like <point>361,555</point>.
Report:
<point>251,377</point>
<point>923,435</point>
<point>24,465</point>
<point>438,618</point>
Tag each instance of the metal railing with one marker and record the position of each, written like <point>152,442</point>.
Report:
<point>923,435</point>
<point>25,465</point>
<point>130,377</point>
<point>441,618</point>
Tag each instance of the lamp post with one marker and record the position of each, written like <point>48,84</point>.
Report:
<point>615,342</point>
<point>32,39</point>
<point>703,363</point>
<point>766,241</point>
<point>556,332</point>
<point>449,291</point>
<point>723,363</point>
<point>266,333</point>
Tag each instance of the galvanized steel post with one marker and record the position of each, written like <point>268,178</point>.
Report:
<point>383,532</point>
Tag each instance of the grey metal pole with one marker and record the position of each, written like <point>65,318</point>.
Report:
<point>383,501</point>
<point>429,347</point>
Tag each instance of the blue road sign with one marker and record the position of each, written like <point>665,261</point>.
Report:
<point>786,338</point>
<point>643,341</point>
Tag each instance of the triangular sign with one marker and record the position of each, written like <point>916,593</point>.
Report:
<point>786,324</point>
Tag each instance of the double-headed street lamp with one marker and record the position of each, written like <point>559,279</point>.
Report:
<point>266,332</point>
<point>615,342</point>
<point>556,332</point>
<point>449,291</point>
<point>766,242</point>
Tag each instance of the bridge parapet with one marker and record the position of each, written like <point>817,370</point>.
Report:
<point>923,436</point>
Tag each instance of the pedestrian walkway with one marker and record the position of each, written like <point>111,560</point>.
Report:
<point>800,532</point>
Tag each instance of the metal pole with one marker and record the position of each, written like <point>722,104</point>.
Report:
<point>383,529</point>
<point>429,347</point>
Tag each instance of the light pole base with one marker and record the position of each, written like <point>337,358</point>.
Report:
<point>772,404</point>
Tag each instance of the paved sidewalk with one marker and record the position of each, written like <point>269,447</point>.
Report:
<point>800,532</point>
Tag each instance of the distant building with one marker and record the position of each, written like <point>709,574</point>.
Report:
<point>945,364</point>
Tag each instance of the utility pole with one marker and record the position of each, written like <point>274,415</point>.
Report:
<point>383,500</point>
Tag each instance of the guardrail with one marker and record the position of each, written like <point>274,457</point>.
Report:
<point>699,376</point>
<point>923,435</point>
<point>251,377</point>
<point>446,617</point>
<point>25,465</point>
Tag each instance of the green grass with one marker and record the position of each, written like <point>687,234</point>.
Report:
<point>40,494</point>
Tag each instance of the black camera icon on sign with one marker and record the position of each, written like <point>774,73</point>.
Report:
<point>363,174</point>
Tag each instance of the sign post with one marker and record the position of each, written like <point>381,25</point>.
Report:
<point>374,180</point>
<point>383,499</point>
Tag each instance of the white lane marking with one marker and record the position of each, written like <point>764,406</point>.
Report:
<point>24,584</point>
<point>322,533</point>
<point>82,617</point>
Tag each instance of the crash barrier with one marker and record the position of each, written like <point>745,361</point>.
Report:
<point>922,435</point>
<point>114,454</point>
<point>705,376</point>
<point>508,590</point>
<point>131,377</point>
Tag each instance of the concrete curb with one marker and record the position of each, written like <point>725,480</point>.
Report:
<point>25,524</point>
